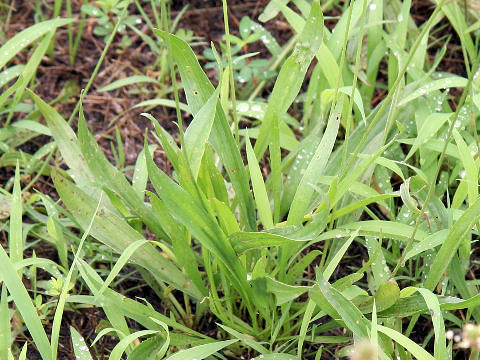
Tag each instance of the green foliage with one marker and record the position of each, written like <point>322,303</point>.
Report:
<point>347,215</point>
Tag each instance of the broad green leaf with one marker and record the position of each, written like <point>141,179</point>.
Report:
<point>270,11</point>
<point>10,74</point>
<point>288,141</point>
<point>387,295</point>
<point>389,229</point>
<point>140,174</point>
<point>276,357</point>
<point>284,292</point>
<point>180,242</point>
<point>362,203</point>
<point>407,199</point>
<point>34,61</point>
<point>428,243</point>
<point>32,126</point>
<point>148,349</point>
<point>328,96</point>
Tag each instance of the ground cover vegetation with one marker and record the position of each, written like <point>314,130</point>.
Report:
<point>302,184</point>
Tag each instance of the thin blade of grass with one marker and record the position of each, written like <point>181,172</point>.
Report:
<point>15,239</point>
<point>259,189</point>
<point>79,347</point>
<point>456,236</point>
<point>26,37</point>
<point>136,79</point>
<point>408,344</point>
<point>5,329</point>
<point>8,274</point>
<point>198,132</point>
<point>201,351</point>
<point>120,348</point>
<point>305,191</point>
<point>291,75</point>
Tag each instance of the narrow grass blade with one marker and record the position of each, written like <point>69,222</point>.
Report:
<point>105,173</point>
<point>456,236</point>
<point>24,305</point>
<point>305,190</point>
<point>445,83</point>
<point>66,141</point>
<point>57,319</point>
<point>79,347</point>
<point>136,79</point>
<point>291,75</point>
<point>15,239</point>
<point>120,263</point>
<point>198,132</point>
<point>247,340</point>
<point>332,265</point>
<point>140,174</point>
<point>259,190</point>
<point>161,102</point>
<point>143,314</point>
<point>202,351</point>
<point>120,348</point>
<point>5,328</point>
<point>429,128</point>
<point>408,344</point>
<point>243,241</point>
<point>26,37</point>
<point>470,166</point>
<point>335,304</point>
<point>440,347</point>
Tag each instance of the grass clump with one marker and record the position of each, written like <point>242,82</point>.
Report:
<point>334,217</point>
